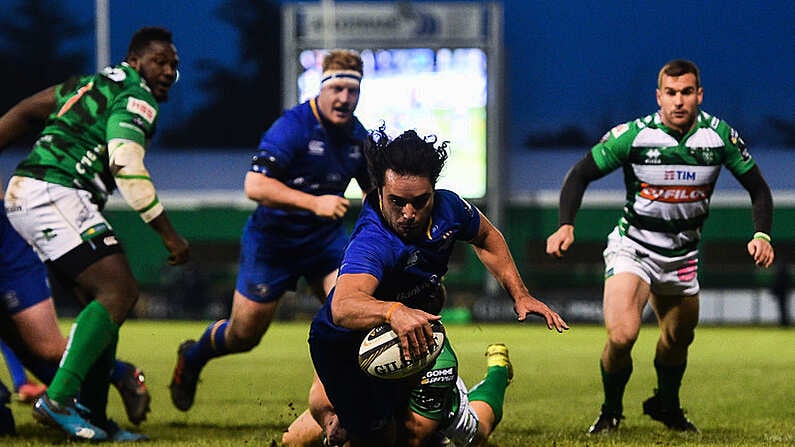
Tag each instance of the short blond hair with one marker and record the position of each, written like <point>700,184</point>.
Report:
<point>343,60</point>
<point>679,67</point>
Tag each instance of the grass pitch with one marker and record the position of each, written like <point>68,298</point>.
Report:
<point>739,388</point>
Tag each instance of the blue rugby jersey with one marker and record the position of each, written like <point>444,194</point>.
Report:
<point>409,272</point>
<point>303,154</point>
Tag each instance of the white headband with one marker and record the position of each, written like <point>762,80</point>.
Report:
<point>340,74</point>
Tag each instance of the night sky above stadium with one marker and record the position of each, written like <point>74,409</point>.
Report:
<point>586,63</point>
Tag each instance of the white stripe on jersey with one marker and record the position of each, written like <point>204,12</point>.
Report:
<point>704,138</point>
<point>669,210</point>
<point>652,137</point>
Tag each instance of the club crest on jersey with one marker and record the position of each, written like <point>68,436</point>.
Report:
<point>261,289</point>
<point>11,299</point>
<point>704,155</point>
<point>141,108</point>
<point>316,147</point>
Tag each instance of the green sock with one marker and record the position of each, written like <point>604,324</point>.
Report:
<point>614,384</point>
<point>91,334</point>
<point>492,389</point>
<point>94,392</point>
<point>669,379</point>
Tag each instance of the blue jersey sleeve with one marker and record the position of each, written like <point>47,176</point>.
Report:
<point>278,145</point>
<point>466,214</point>
<point>368,252</point>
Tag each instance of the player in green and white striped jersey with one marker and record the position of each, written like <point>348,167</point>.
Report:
<point>671,160</point>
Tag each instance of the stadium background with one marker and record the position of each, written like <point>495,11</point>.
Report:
<point>570,70</point>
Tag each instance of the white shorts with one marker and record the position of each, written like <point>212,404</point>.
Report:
<point>52,218</point>
<point>667,276</point>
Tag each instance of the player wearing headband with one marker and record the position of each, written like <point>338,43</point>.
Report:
<point>298,175</point>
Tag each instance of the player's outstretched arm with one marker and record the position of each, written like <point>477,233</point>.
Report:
<point>491,248</point>
<point>25,116</point>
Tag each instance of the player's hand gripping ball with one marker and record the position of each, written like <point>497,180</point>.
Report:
<point>379,353</point>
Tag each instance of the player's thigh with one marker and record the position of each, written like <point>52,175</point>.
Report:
<point>250,319</point>
<point>625,295</point>
<point>678,316</point>
<point>675,296</point>
<point>106,278</point>
<point>322,266</point>
<point>321,287</point>
<point>38,327</point>
<point>264,273</point>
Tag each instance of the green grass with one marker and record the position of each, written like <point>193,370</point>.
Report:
<point>739,387</point>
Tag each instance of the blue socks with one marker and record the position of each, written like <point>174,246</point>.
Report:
<point>211,344</point>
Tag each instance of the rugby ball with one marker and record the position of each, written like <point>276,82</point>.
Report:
<point>379,353</point>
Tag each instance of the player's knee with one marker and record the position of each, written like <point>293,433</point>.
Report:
<point>622,339</point>
<point>242,342</point>
<point>289,439</point>
<point>678,338</point>
<point>118,299</point>
<point>50,351</point>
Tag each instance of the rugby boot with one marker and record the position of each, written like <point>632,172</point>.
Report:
<point>673,418</point>
<point>605,423</point>
<point>497,355</point>
<point>118,434</point>
<point>185,379</point>
<point>134,394</point>
<point>68,418</point>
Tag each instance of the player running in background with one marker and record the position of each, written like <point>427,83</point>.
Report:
<point>442,411</point>
<point>392,272</point>
<point>97,128</point>
<point>304,164</point>
<point>671,160</point>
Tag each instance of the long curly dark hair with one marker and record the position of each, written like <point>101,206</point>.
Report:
<point>407,154</point>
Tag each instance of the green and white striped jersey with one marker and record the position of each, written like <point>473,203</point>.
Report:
<point>670,178</point>
<point>90,110</point>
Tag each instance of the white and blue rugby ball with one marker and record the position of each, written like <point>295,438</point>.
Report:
<point>379,353</point>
